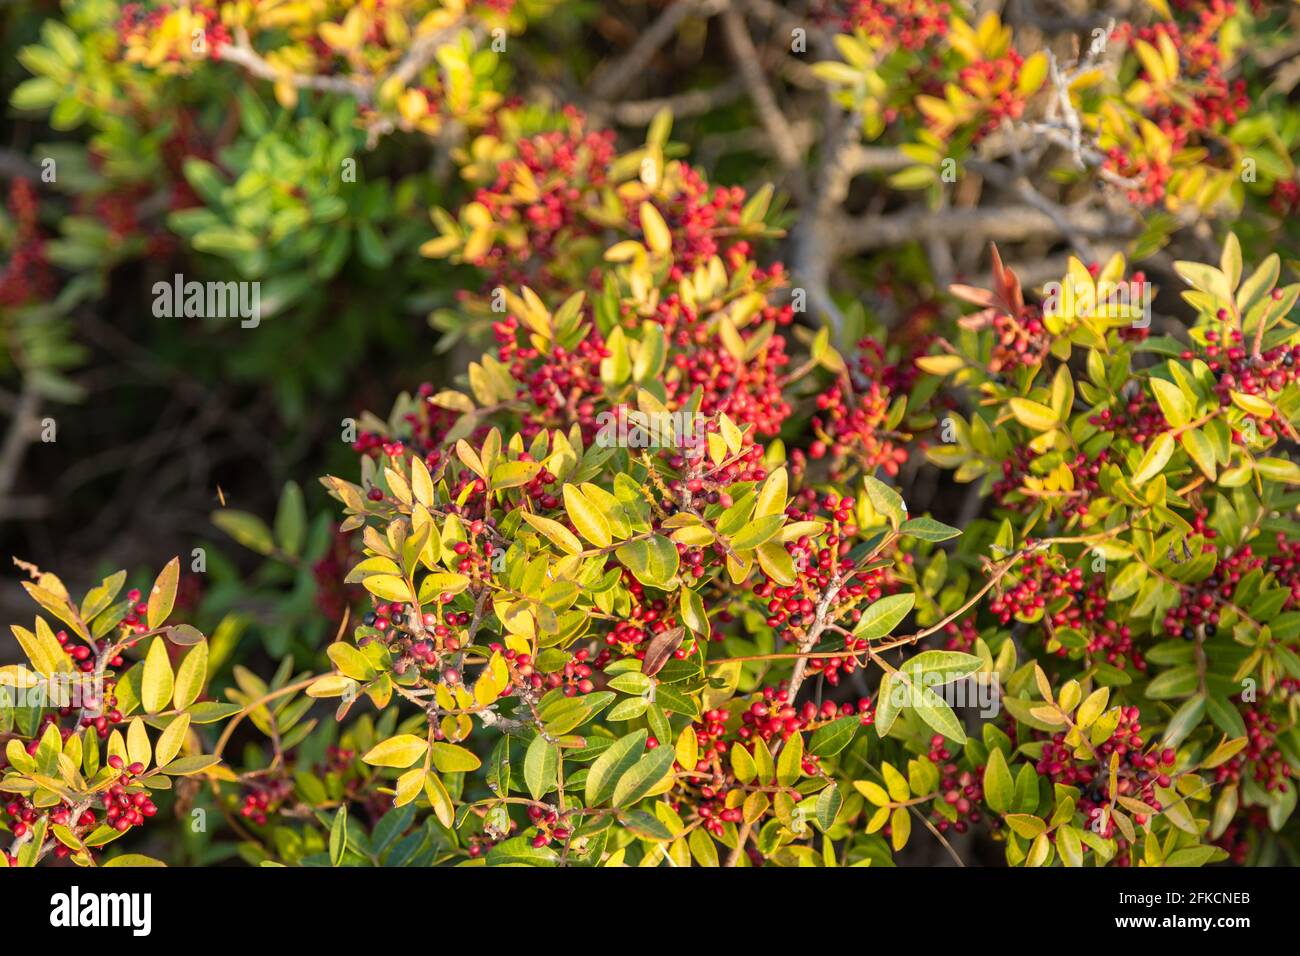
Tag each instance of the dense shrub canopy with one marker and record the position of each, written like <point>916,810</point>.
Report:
<point>928,497</point>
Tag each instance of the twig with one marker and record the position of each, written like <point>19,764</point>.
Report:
<point>1004,223</point>
<point>746,57</point>
<point>19,436</point>
<point>612,81</point>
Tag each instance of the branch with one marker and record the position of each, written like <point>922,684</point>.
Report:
<point>746,57</point>
<point>612,81</point>
<point>1005,223</point>
<point>421,54</point>
<point>692,103</point>
<point>19,436</point>
<point>242,54</point>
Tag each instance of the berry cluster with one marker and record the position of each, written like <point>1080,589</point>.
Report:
<point>995,83</point>
<point>772,718</point>
<point>851,424</point>
<point>418,642</point>
<point>536,202</point>
<point>1199,604</point>
<point>1268,765</point>
<point>1189,109</point>
<point>146,32</point>
<point>911,24</point>
<point>1039,580</point>
<point>264,797</point>
<point>27,276</point>
<point>1140,770</point>
<point>1238,369</point>
<point>126,804</point>
<point>961,789</point>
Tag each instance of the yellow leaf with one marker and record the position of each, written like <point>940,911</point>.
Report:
<point>400,751</point>
<point>439,799</point>
<point>940,364</point>
<point>169,743</point>
<point>900,824</point>
<point>158,681</point>
<point>772,494</point>
<point>137,743</point>
<point>1033,415</point>
<point>1152,62</point>
<point>591,524</point>
<point>409,786</point>
<point>657,236</point>
<point>1032,73</point>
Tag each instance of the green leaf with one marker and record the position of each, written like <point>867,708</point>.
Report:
<point>350,661</point>
<point>1225,716</point>
<point>1279,469</point>
<point>886,705</point>
<point>133,860</point>
<point>559,535</point>
<point>952,665</point>
<point>896,783</point>
<point>291,519</point>
<point>999,787</point>
<point>643,776</point>
<point>883,616</point>
<point>512,474</point>
<point>617,759</point>
<point>163,595</point>
<point>654,561</point>
<point>390,587</point>
<point>789,765</point>
<point>1157,456</point>
<point>742,763</point>
<point>1025,825</point>
<point>1128,581</point>
<point>927,529</point>
<point>702,848</point>
<point>772,494</point>
<point>519,851</point>
<point>1174,404</point>
<point>541,762</point>
<point>1184,721</point>
<point>248,529</point>
<point>831,739</point>
<point>1206,278</point>
<point>829,802</point>
<point>339,836</point>
<point>646,826</point>
<point>936,712</point>
<point>693,611</point>
<point>1177,682</point>
<point>886,500</point>
<point>570,713</point>
<point>195,763</point>
<point>1068,846</point>
<point>757,532</point>
<point>171,739</point>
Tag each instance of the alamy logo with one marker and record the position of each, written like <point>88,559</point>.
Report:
<point>208,300</point>
<point>77,909</point>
